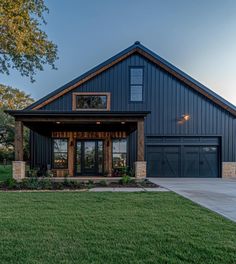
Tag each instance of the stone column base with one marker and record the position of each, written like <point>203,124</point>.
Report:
<point>140,169</point>
<point>228,169</point>
<point>18,170</point>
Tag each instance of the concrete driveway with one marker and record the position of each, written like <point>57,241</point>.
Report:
<point>218,195</point>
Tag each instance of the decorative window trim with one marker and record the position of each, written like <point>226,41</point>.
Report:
<point>108,95</point>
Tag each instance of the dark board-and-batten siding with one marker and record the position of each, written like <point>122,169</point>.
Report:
<point>167,98</point>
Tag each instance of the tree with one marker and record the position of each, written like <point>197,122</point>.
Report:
<point>24,46</point>
<point>13,99</point>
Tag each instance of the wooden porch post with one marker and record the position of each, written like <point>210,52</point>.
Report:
<point>140,140</point>
<point>71,157</point>
<point>109,159</point>
<point>18,141</point>
<point>108,156</point>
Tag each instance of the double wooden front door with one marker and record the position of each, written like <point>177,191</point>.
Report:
<point>89,157</point>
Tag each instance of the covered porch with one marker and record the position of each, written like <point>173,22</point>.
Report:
<point>87,139</point>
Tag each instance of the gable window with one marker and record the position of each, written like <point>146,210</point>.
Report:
<point>60,153</point>
<point>91,101</point>
<point>136,84</point>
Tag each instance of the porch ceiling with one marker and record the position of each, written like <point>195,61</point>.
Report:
<point>45,122</point>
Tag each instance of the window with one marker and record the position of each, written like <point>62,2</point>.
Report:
<point>119,153</point>
<point>91,101</point>
<point>136,84</point>
<point>60,153</point>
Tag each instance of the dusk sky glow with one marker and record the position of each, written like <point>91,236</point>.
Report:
<point>199,37</point>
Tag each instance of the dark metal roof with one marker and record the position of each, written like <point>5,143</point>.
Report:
<point>43,113</point>
<point>137,46</point>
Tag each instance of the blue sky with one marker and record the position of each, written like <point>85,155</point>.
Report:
<point>198,36</point>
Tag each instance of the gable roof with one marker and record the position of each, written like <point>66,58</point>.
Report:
<point>148,54</point>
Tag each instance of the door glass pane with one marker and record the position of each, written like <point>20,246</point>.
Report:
<point>89,154</point>
<point>100,156</point>
<point>78,157</point>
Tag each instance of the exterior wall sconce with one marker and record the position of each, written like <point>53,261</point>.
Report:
<point>184,118</point>
<point>122,123</point>
<point>98,123</point>
<point>58,123</point>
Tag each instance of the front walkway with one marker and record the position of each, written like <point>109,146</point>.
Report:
<point>218,195</point>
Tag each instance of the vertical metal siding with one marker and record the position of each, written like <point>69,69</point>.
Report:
<point>166,97</point>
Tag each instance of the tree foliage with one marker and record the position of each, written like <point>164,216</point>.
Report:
<point>24,46</point>
<point>14,99</point>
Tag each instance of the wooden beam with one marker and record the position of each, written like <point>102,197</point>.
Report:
<point>140,141</point>
<point>18,141</point>
<point>78,120</point>
<point>71,154</point>
<point>89,134</point>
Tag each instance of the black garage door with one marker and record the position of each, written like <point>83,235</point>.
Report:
<point>183,161</point>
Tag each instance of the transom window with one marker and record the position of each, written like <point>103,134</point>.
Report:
<point>91,101</point>
<point>136,84</point>
<point>60,153</point>
<point>119,153</point>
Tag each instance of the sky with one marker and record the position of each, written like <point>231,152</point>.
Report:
<point>197,36</point>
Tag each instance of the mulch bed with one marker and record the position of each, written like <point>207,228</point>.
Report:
<point>73,185</point>
<point>141,184</point>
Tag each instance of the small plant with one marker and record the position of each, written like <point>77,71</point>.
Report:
<point>90,184</point>
<point>66,182</point>
<point>124,171</point>
<point>126,179</point>
<point>46,184</point>
<point>58,185</point>
<point>31,184</point>
<point>73,184</point>
<point>103,183</point>
<point>33,173</point>
<point>10,184</point>
<point>49,173</point>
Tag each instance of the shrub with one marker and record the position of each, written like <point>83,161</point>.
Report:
<point>49,173</point>
<point>66,182</point>
<point>46,184</point>
<point>73,184</point>
<point>90,184</point>
<point>103,183</point>
<point>10,184</point>
<point>33,173</point>
<point>31,184</point>
<point>58,185</point>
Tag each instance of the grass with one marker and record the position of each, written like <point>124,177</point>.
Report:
<point>111,228</point>
<point>5,172</point>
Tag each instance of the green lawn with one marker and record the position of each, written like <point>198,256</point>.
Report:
<point>111,228</point>
<point>5,172</point>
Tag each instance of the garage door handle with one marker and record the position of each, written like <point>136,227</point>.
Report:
<point>201,162</point>
<point>163,162</point>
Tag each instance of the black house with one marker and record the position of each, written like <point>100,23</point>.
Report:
<point>135,109</point>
